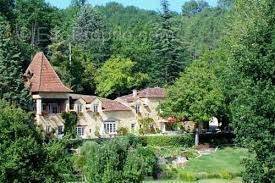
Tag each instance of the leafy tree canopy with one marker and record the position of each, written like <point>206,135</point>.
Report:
<point>117,76</point>
<point>12,88</point>
<point>193,7</point>
<point>197,94</point>
<point>250,74</point>
<point>119,160</point>
<point>24,155</point>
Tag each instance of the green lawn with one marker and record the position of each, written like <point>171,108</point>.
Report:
<point>227,159</point>
<point>235,180</point>
<point>222,166</point>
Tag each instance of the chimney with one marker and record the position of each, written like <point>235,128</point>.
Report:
<point>134,93</point>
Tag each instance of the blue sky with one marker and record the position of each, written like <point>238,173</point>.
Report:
<point>145,4</point>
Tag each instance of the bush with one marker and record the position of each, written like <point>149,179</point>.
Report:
<point>185,140</point>
<point>122,131</point>
<point>121,159</point>
<point>146,126</point>
<point>191,153</point>
<point>226,175</point>
<point>187,176</point>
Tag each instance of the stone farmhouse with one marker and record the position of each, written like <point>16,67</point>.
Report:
<point>96,116</point>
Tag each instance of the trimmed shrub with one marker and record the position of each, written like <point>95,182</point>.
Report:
<point>185,140</point>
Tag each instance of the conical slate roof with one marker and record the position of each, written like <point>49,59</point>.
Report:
<point>42,77</point>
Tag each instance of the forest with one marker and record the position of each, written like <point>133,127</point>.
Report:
<point>212,61</point>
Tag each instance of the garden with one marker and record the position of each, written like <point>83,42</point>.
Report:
<point>158,159</point>
<point>222,165</point>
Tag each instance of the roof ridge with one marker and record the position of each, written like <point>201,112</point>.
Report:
<point>40,71</point>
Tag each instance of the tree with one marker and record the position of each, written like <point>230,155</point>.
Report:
<point>117,77</point>
<point>12,87</point>
<point>74,67</point>
<point>117,160</point>
<point>78,3</point>
<point>34,21</point>
<point>91,33</point>
<point>198,94</point>
<point>167,51</point>
<point>6,9</point>
<point>24,155</point>
<point>202,32</point>
<point>250,75</point>
<point>193,7</point>
<point>226,4</point>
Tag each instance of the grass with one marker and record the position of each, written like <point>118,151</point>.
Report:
<point>235,180</point>
<point>222,166</point>
<point>227,159</point>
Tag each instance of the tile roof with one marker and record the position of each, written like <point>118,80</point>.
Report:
<point>87,98</point>
<point>111,105</point>
<point>146,93</point>
<point>152,93</point>
<point>128,98</point>
<point>42,77</point>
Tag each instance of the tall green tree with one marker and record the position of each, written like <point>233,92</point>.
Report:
<point>24,155</point>
<point>72,64</point>
<point>251,76</point>
<point>193,7</point>
<point>117,77</point>
<point>11,81</point>
<point>197,95</point>
<point>225,4</point>
<point>132,31</point>
<point>91,33</point>
<point>203,31</point>
<point>35,20</point>
<point>168,51</point>
<point>7,9</point>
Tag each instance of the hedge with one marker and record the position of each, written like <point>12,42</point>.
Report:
<point>185,140</point>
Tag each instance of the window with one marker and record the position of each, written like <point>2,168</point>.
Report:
<point>59,130</point>
<point>95,108</point>
<point>44,107</point>
<point>133,126</point>
<point>48,129</point>
<point>80,131</point>
<point>54,108</point>
<point>137,108</point>
<point>110,127</point>
<point>78,108</point>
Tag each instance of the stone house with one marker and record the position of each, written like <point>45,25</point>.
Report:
<point>144,104</point>
<point>50,95</point>
<point>96,116</point>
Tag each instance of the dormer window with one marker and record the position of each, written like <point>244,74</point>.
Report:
<point>137,108</point>
<point>95,108</point>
